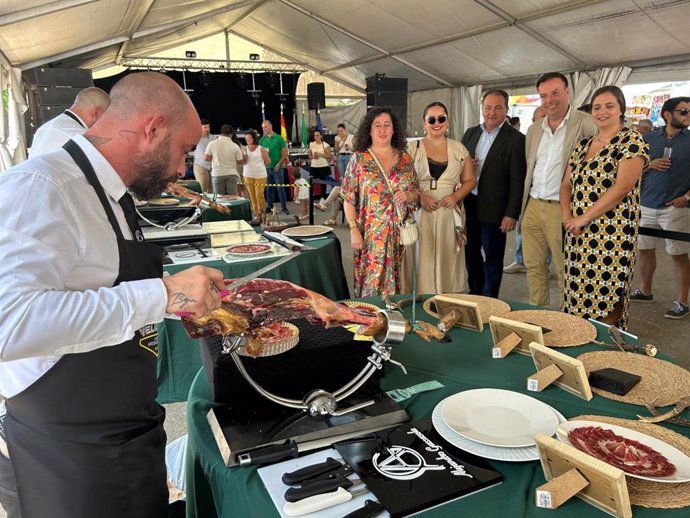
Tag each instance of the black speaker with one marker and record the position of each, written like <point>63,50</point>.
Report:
<point>316,95</point>
<point>44,76</point>
<point>53,95</point>
<point>388,92</point>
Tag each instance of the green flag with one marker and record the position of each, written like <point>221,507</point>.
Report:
<point>304,130</point>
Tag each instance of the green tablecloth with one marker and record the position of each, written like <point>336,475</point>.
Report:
<point>319,270</point>
<point>465,363</point>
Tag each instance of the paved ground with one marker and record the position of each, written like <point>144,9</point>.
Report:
<point>671,337</point>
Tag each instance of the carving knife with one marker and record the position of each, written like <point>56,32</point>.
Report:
<point>258,273</point>
<point>323,501</point>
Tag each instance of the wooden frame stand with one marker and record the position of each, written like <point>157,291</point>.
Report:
<point>466,313</point>
<point>571,472</point>
<point>573,377</point>
<point>509,335</point>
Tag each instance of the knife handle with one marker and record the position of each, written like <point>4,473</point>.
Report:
<point>316,487</point>
<point>269,454</point>
<point>317,503</point>
<point>297,476</point>
<point>370,509</point>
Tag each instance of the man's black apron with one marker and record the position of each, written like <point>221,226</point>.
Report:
<point>86,439</point>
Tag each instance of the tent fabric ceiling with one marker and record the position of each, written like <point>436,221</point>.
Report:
<point>434,44</point>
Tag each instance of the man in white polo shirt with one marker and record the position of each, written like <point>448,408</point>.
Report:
<point>226,159</point>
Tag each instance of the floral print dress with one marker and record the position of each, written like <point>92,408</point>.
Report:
<point>377,267</point>
<point>599,263</point>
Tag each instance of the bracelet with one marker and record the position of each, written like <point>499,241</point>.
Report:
<point>353,224</point>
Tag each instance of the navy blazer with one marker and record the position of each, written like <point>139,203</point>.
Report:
<point>502,178</point>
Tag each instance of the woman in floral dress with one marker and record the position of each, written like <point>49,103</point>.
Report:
<point>600,204</point>
<point>370,206</point>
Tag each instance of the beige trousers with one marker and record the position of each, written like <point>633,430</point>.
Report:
<point>541,229</point>
<point>255,188</point>
<point>203,176</point>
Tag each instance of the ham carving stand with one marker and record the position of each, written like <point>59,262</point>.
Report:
<point>321,402</point>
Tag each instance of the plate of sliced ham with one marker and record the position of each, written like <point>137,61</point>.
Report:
<point>637,454</point>
<point>249,249</point>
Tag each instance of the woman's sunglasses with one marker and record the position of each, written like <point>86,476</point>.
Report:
<point>683,111</point>
<point>432,120</point>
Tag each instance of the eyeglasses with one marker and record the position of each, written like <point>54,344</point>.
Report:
<point>432,120</point>
<point>683,111</point>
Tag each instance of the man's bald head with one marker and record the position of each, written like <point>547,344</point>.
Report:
<point>90,104</point>
<point>147,130</point>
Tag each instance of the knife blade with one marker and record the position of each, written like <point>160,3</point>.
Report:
<point>319,502</point>
<point>258,273</point>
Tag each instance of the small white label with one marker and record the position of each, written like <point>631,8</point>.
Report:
<point>496,352</point>
<point>532,384</point>
<point>544,499</point>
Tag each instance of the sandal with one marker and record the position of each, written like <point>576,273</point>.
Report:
<point>331,222</point>
<point>320,206</point>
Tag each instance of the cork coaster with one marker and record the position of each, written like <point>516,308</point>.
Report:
<point>662,383</point>
<point>488,306</point>
<point>565,330</point>
<point>646,493</point>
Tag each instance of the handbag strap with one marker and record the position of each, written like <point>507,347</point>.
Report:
<point>387,181</point>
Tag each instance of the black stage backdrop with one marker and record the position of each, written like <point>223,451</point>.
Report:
<point>222,97</point>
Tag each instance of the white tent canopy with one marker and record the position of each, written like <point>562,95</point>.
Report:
<point>434,44</point>
<point>455,47</point>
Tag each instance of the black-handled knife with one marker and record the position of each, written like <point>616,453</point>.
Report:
<point>312,471</point>
<point>269,454</point>
<point>370,509</point>
<point>317,487</point>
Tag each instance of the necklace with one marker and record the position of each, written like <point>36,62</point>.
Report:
<point>604,142</point>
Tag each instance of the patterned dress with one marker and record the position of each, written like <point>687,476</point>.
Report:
<point>377,266</point>
<point>599,263</point>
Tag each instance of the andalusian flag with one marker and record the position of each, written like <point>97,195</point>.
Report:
<point>283,128</point>
<point>305,138</point>
<point>293,133</point>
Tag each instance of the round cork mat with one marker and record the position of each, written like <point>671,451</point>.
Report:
<point>646,493</point>
<point>566,330</point>
<point>662,381</point>
<point>488,306</point>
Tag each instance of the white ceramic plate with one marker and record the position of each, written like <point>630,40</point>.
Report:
<point>482,450</point>
<point>673,454</point>
<point>306,231</point>
<point>500,418</point>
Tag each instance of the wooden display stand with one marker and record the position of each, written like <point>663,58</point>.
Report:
<point>509,335</point>
<point>571,472</point>
<point>465,314</point>
<point>560,369</point>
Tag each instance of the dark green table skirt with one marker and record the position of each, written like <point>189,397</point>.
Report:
<point>463,364</point>
<point>319,270</point>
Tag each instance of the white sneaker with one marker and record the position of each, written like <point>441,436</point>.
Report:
<point>515,268</point>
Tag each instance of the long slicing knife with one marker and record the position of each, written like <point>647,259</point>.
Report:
<point>258,273</point>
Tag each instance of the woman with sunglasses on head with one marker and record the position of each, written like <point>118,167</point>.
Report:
<point>446,176</point>
<point>375,205</point>
<point>600,204</point>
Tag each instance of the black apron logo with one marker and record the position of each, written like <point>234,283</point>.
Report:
<point>148,338</point>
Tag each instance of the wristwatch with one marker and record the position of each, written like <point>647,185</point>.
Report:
<point>687,198</point>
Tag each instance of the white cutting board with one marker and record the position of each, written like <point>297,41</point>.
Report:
<point>271,477</point>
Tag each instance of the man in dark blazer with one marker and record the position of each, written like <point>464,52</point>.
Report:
<point>493,207</point>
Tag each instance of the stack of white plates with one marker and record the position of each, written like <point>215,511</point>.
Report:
<point>495,424</point>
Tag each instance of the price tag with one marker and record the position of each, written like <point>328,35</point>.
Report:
<point>496,352</point>
<point>532,385</point>
<point>544,499</point>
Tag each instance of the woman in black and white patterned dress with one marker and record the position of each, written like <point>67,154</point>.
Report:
<point>600,203</point>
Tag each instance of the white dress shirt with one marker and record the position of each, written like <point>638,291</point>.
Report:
<point>486,140</point>
<point>52,135</point>
<point>549,166</point>
<point>58,262</point>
